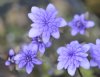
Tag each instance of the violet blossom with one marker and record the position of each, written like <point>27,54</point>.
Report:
<point>46,23</point>
<point>79,24</point>
<point>40,45</point>
<point>10,58</point>
<point>95,54</point>
<point>72,56</point>
<point>27,58</point>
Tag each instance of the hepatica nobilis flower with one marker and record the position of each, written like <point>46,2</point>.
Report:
<point>27,58</point>
<point>10,58</point>
<point>95,54</point>
<point>39,43</point>
<point>79,24</point>
<point>72,56</point>
<point>45,23</point>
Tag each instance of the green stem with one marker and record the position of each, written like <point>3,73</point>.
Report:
<point>80,73</point>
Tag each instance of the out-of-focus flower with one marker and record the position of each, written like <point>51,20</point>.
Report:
<point>79,24</point>
<point>10,58</point>
<point>95,54</point>
<point>27,58</point>
<point>45,23</point>
<point>72,56</point>
<point>39,43</point>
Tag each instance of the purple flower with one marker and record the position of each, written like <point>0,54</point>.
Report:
<point>72,56</point>
<point>45,23</point>
<point>37,41</point>
<point>27,58</point>
<point>79,24</point>
<point>10,58</point>
<point>95,54</point>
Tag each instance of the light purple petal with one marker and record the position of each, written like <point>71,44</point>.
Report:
<point>34,9</point>
<point>36,18</point>
<point>33,46</point>
<point>11,52</point>
<point>98,41</point>
<point>48,44</point>
<point>29,67</point>
<point>93,63</point>
<point>36,61</point>
<point>56,34</point>
<point>60,65</point>
<point>86,47</point>
<point>82,17</point>
<point>74,43</point>
<point>85,63</point>
<point>21,64</point>
<point>79,57</point>
<point>35,14</point>
<point>71,71</point>
<point>91,45</point>
<point>34,32</point>
<point>74,32</point>
<point>30,15</point>
<point>82,55</point>
<point>25,48</point>
<point>63,23</point>
<point>51,12</point>
<point>82,32</point>
<point>51,8</point>
<point>60,58</point>
<point>45,37</point>
<point>76,17</point>
<point>60,50</point>
<point>17,57</point>
<point>70,24</point>
<point>42,48</point>
<point>7,63</point>
<point>35,25</point>
<point>90,24</point>
<point>68,62</point>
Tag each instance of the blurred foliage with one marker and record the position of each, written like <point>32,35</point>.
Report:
<point>15,24</point>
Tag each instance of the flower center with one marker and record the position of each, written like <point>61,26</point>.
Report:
<point>71,54</point>
<point>45,22</point>
<point>38,39</point>
<point>28,58</point>
<point>50,25</point>
<point>80,25</point>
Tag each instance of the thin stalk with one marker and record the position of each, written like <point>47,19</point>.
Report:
<point>80,73</point>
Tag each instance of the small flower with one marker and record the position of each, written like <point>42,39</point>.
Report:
<point>95,54</point>
<point>37,41</point>
<point>72,56</point>
<point>27,58</point>
<point>45,23</point>
<point>79,24</point>
<point>10,58</point>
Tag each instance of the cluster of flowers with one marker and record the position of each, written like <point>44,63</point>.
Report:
<point>46,24</point>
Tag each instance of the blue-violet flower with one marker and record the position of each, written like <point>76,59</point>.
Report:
<point>95,54</point>
<point>10,58</point>
<point>27,57</point>
<point>79,24</point>
<point>72,56</point>
<point>45,23</point>
<point>39,43</point>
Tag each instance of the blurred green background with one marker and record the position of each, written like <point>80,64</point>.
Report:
<point>15,24</point>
